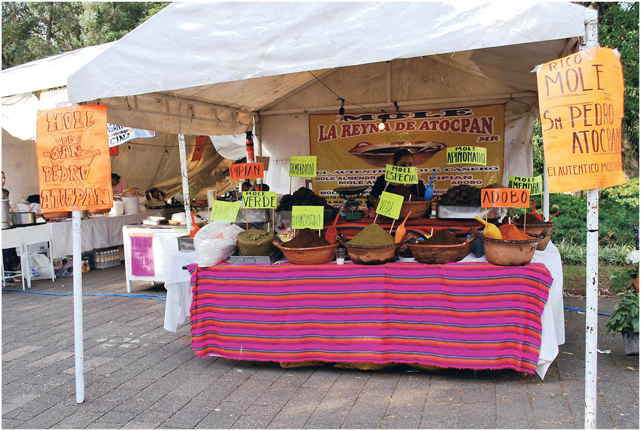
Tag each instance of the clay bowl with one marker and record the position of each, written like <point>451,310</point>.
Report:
<point>100,211</point>
<point>507,252</point>
<point>439,254</point>
<point>370,255</point>
<point>541,230</point>
<point>419,209</point>
<point>308,255</point>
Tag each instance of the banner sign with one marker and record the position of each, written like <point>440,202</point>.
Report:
<point>142,256</point>
<point>259,200</point>
<point>302,166</point>
<point>74,170</point>
<point>353,151</point>
<point>390,205</point>
<point>121,134</point>
<point>222,210</point>
<point>533,184</point>
<point>581,99</point>
<point>401,175</point>
<point>245,171</point>
<point>467,156</point>
<point>307,217</point>
<point>505,198</point>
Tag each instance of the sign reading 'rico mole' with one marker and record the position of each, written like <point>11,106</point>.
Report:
<point>72,149</point>
<point>581,98</point>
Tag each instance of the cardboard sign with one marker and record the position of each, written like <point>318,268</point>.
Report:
<point>390,205</point>
<point>467,156</point>
<point>74,167</point>
<point>401,175</point>
<point>533,184</point>
<point>222,210</point>
<point>264,160</point>
<point>259,200</point>
<point>245,171</point>
<point>307,217</point>
<point>581,99</point>
<point>142,256</point>
<point>505,198</point>
<point>302,166</point>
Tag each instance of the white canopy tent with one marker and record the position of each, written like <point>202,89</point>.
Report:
<point>222,68</point>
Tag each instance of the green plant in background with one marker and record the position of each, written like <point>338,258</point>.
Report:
<point>626,311</point>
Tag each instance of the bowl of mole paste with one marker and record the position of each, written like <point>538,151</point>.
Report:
<point>371,246</point>
<point>537,227</point>
<point>442,247</point>
<point>307,248</point>
<point>515,249</point>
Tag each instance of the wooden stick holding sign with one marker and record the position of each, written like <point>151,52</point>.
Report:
<point>302,166</point>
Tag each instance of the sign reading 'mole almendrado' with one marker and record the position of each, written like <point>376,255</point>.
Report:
<point>581,105</point>
<point>72,150</point>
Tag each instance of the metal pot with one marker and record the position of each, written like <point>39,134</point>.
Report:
<point>6,216</point>
<point>23,218</point>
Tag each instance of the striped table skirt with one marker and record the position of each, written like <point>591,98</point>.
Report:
<point>457,315</point>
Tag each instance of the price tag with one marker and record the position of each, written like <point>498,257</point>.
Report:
<point>390,205</point>
<point>259,200</point>
<point>302,166</point>
<point>505,198</point>
<point>222,210</point>
<point>401,175</point>
<point>533,184</point>
<point>467,156</point>
<point>245,171</point>
<point>304,217</point>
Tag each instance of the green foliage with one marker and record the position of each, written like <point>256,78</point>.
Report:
<point>625,315</point>
<point>575,254</point>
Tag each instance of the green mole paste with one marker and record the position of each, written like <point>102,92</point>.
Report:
<point>255,242</point>
<point>306,238</point>
<point>372,236</point>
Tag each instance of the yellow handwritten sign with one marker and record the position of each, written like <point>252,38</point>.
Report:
<point>401,175</point>
<point>72,150</point>
<point>390,205</point>
<point>581,99</point>
<point>259,200</point>
<point>505,198</point>
<point>222,210</point>
<point>467,156</point>
<point>302,166</point>
<point>533,184</point>
<point>307,217</point>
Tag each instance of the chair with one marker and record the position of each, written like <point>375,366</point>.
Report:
<point>12,238</point>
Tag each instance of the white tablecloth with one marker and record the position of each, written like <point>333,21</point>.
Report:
<point>178,291</point>
<point>98,232</point>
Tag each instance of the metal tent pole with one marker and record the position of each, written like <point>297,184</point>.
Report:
<point>77,308</point>
<point>185,179</point>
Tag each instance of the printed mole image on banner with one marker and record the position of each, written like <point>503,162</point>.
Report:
<point>72,151</point>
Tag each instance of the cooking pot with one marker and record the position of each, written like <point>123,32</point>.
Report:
<point>6,217</point>
<point>23,218</point>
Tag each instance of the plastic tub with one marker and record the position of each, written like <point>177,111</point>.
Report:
<point>131,205</point>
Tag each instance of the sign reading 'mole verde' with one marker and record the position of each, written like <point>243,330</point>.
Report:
<point>222,210</point>
<point>401,175</point>
<point>533,184</point>
<point>72,150</point>
<point>467,156</point>
<point>307,217</point>
<point>259,200</point>
<point>581,99</point>
<point>390,205</point>
<point>302,166</point>
<point>505,198</point>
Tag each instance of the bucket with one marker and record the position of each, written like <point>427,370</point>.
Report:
<point>131,205</point>
<point>117,209</point>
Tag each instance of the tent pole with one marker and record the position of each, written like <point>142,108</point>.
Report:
<point>185,178</point>
<point>546,193</point>
<point>77,308</point>
<point>592,265</point>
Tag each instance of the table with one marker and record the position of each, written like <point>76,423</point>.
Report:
<point>20,238</point>
<point>177,285</point>
<point>97,232</point>
<point>466,315</point>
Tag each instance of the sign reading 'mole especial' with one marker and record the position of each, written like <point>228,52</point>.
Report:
<point>353,151</point>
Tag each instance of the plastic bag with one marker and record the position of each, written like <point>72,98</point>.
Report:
<point>215,242</point>
<point>40,266</point>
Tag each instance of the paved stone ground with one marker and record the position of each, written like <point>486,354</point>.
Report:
<point>137,375</point>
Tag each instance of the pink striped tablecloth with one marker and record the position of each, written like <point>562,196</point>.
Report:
<point>458,315</point>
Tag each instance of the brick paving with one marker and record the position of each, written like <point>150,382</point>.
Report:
<point>139,376</point>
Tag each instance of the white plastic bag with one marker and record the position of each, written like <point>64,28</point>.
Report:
<point>215,242</point>
<point>40,266</point>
